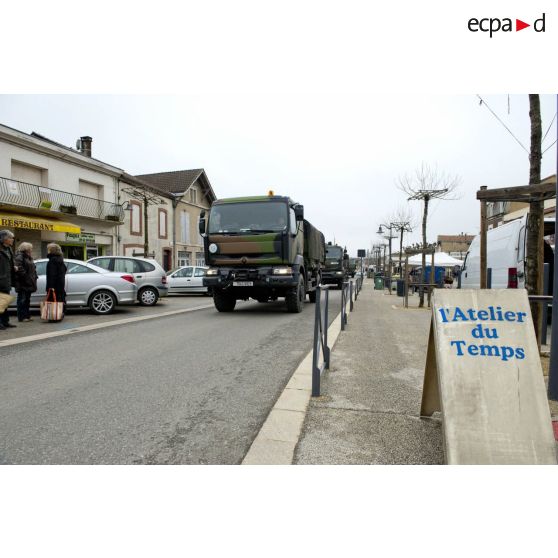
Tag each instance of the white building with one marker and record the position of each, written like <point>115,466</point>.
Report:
<point>52,193</point>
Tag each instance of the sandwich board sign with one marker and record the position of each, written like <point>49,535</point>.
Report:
<point>483,373</point>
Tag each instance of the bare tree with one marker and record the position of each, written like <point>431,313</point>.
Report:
<point>403,221</point>
<point>427,183</point>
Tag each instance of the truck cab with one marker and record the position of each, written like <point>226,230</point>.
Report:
<point>336,268</point>
<point>262,248</point>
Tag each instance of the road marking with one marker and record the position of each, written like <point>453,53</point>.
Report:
<point>40,336</point>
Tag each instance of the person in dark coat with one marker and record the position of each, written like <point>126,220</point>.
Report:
<point>26,280</point>
<point>7,272</point>
<point>56,272</point>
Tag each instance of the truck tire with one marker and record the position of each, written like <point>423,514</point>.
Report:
<point>312,296</point>
<point>223,301</point>
<point>295,298</point>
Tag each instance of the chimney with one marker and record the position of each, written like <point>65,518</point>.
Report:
<point>85,145</point>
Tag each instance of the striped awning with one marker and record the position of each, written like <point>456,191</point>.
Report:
<point>31,222</point>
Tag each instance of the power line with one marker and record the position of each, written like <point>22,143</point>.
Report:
<point>548,147</point>
<point>548,130</point>
<point>482,101</point>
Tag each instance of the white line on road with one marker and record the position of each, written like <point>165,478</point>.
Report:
<point>73,330</point>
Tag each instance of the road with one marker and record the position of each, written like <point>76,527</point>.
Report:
<point>191,388</point>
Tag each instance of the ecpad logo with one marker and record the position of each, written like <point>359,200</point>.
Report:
<point>492,25</point>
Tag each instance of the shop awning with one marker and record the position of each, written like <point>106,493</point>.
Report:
<point>31,222</point>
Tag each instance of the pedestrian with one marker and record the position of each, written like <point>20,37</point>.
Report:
<point>26,280</point>
<point>56,273</point>
<point>7,272</point>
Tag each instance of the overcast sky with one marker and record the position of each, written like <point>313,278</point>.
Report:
<point>339,156</point>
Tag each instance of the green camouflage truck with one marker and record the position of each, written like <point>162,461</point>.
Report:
<point>336,268</point>
<point>261,248</point>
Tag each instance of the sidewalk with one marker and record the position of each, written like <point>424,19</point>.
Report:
<point>369,409</point>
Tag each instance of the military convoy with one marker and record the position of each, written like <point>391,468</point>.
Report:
<point>261,248</point>
<point>336,269</point>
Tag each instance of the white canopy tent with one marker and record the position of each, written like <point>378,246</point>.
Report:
<point>441,259</point>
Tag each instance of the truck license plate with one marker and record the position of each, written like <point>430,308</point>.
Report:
<point>243,283</point>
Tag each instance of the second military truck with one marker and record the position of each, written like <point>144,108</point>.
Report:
<point>261,248</point>
<point>337,265</point>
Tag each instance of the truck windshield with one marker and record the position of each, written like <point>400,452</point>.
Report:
<point>236,218</point>
<point>333,252</point>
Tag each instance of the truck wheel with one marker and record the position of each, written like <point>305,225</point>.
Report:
<point>312,296</point>
<point>223,302</point>
<point>340,285</point>
<point>295,298</point>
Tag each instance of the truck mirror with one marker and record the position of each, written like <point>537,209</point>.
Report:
<point>299,212</point>
<point>201,223</point>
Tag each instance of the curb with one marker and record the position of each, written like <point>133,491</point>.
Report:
<point>79,329</point>
<point>276,441</point>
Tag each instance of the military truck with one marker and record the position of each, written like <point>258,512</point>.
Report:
<point>261,248</point>
<point>337,265</point>
<point>352,266</point>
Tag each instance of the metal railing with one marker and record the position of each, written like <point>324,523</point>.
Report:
<point>358,285</point>
<point>321,324</point>
<point>344,301</point>
<point>23,194</point>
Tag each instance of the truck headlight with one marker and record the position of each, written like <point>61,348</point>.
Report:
<point>210,272</point>
<point>282,271</point>
<point>338,273</point>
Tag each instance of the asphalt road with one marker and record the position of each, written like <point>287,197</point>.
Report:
<point>191,388</point>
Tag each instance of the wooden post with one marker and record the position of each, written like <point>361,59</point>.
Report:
<point>406,297</point>
<point>483,229</point>
<point>432,277</point>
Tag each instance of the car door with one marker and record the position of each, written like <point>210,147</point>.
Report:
<point>183,281</point>
<point>197,280</point>
<point>40,293</point>
<point>80,279</point>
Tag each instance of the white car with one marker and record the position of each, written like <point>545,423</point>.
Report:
<point>187,279</point>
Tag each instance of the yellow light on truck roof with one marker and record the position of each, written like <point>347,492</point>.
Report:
<point>270,193</point>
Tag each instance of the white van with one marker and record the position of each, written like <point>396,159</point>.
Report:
<point>505,255</point>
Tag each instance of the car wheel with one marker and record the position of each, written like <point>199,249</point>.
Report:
<point>148,296</point>
<point>102,302</point>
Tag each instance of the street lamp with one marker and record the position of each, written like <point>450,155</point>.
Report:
<point>381,232</point>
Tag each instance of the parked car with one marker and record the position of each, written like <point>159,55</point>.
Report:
<point>88,285</point>
<point>149,276</point>
<point>505,255</point>
<point>187,279</point>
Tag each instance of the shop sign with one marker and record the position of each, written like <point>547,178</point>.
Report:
<point>82,237</point>
<point>35,224</point>
<point>483,373</point>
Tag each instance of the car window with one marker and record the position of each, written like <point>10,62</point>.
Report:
<point>78,268</point>
<point>41,268</point>
<point>200,272</point>
<point>123,265</point>
<point>187,272</point>
<point>145,267</point>
<point>102,262</point>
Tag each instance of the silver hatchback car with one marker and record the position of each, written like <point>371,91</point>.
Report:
<point>88,285</point>
<point>149,276</point>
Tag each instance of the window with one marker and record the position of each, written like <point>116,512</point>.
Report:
<point>292,218</point>
<point>41,268</point>
<point>135,218</point>
<point>145,266</point>
<point>162,223</point>
<point>185,227</point>
<point>29,174</point>
<point>102,262</point>
<point>184,258</point>
<point>200,272</point>
<point>187,272</point>
<point>123,265</point>
<point>200,258</point>
<point>193,195</point>
<point>78,268</point>
<point>91,190</point>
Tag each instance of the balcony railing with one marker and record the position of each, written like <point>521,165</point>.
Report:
<point>22,194</point>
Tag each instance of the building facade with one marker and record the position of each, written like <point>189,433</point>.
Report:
<point>456,245</point>
<point>190,193</point>
<point>52,193</point>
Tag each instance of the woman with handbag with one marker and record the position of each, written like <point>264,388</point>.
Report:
<point>25,280</point>
<point>56,273</point>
